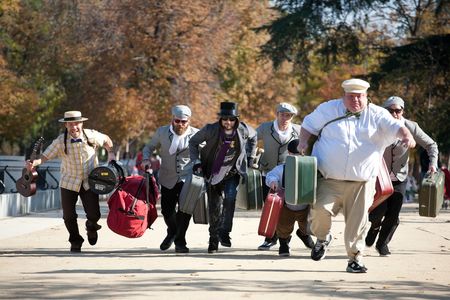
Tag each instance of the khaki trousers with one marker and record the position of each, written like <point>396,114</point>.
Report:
<point>354,199</point>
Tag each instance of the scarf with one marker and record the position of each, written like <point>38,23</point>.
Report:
<point>178,141</point>
<point>284,135</point>
<point>226,142</point>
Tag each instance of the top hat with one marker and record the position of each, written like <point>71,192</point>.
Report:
<point>72,116</point>
<point>228,109</point>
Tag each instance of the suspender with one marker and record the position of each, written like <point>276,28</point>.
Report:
<point>347,114</point>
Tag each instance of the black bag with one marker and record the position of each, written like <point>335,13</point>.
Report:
<point>104,179</point>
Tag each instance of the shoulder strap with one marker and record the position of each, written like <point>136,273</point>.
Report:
<point>347,114</point>
<point>282,177</point>
<point>131,210</point>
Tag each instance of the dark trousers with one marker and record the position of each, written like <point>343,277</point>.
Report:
<point>177,222</point>
<point>221,208</point>
<point>287,221</point>
<point>385,217</point>
<point>91,207</point>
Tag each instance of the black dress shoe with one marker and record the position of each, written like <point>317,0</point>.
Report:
<point>91,230</point>
<point>167,243</point>
<point>92,237</point>
<point>181,249</point>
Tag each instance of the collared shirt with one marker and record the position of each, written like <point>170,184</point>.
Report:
<point>350,148</point>
<point>79,161</point>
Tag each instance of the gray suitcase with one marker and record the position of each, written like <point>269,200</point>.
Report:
<point>192,190</point>
<point>250,193</point>
<point>201,215</point>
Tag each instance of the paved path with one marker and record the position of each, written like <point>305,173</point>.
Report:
<point>36,264</point>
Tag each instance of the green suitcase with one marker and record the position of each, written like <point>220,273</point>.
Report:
<point>431,194</point>
<point>300,179</point>
<point>250,193</point>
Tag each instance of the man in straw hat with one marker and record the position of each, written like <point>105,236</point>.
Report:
<point>173,142</point>
<point>77,148</point>
<point>230,146</point>
<point>352,135</point>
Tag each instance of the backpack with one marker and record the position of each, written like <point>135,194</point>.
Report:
<point>132,206</point>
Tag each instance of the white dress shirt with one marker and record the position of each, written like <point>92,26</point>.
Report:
<point>350,148</point>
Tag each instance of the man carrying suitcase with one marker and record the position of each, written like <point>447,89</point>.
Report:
<point>385,217</point>
<point>173,142</point>
<point>352,135</point>
<point>230,146</point>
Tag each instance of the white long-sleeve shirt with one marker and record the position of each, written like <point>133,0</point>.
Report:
<point>350,148</point>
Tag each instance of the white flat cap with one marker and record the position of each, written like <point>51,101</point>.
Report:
<point>286,107</point>
<point>394,100</point>
<point>355,85</point>
<point>181,112</point>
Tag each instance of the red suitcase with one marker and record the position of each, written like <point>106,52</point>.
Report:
<point>383,186</point>
<point>270,215</point>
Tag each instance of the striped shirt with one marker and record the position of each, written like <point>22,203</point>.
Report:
<point>80,159</point>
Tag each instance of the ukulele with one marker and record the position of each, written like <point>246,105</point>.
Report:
<point>26,185</point>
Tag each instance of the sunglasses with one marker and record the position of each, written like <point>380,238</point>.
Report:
<point>178,121</point>
<point>231,119</point>
<point>395,110</point>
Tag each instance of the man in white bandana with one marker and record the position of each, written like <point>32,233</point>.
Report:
<point>276,136</point>
<point>173,144</point>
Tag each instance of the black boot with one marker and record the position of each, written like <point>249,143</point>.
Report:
<point>284,247</point>
<point>171,232</point>
<point>213,245</point>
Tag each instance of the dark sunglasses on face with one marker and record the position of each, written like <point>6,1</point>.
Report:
<point>395,110</point>
<point>178,121</point>
<point>231,119</point>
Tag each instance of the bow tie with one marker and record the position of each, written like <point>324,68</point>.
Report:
<point>349,114</point>
<point>76,140</point>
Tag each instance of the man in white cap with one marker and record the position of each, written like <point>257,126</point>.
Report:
<point>173,144</point>
<point>276,136</point>
<point>77,148</point>
<point>385,217</point>
<point>352,136</point>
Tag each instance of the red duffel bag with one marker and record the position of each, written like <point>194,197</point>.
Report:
<point>132,206</point>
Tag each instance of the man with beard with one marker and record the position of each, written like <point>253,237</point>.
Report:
<point>173,142</point>
<point>230,146</point>
<point>77,148</point>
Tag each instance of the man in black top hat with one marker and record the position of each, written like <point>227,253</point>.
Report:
<point>230,146</point>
